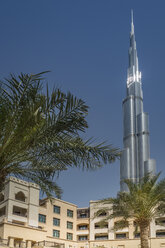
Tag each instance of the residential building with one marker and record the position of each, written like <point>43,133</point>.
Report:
<point>26,221</point>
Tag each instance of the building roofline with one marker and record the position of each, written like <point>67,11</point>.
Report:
<point>56,199</point>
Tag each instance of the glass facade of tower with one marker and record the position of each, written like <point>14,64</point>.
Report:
<point>135,158</point>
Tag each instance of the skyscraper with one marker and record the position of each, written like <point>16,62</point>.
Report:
<point>135,158</point>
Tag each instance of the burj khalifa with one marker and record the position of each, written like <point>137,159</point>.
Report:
<point>135,159</point>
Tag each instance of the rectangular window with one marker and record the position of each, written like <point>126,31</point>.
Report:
<point>56,209</point>
<point>160,221</point>
<point>69,236</point>
<point>101,237</point>
<point>42,218</point>
<point>101,226</point>
<point>69,225</point>
<point>69,213</point>
<point>56,222</point>
<point>137,235</point>
<point>83,215</point>
<point>121,236</point>
<point>56,233</point>
<point>83,227</point>
<point>160,233</point>
<point>82,238</point>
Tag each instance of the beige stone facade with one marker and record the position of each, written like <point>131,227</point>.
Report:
<point>27,222</point>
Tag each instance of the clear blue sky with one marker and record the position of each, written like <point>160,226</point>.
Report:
<point>85,45</point>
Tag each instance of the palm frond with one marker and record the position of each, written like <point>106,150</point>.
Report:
<point>120,224</point>
<point>142,203</point>
<point>40,133</point>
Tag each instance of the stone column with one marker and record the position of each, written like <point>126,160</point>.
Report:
<point>28,243</point>
<point>131,229</point>
<point>153,229</point>
<point>111,233</point>
<point>11,242</point>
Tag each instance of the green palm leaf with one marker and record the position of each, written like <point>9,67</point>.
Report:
<point>143,202</point>
<point>40,133</point>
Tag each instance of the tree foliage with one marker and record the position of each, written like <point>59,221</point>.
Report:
<point>143,202</point>
<point>40,133</point>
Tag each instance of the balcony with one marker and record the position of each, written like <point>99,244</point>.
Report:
<point>4,242</point>
<point>101,237</point>
<point>18,243</point>
<point>160,233</point>
<point>83,213</point>
<point>82,229</point>
<point>19,214</point>
<point>160,224</point>
<point>101,227</point>
<point>82,232</point>
<point>49,244</point>
<point>82,238</point>
<point>122,235</point>
<point>19,211</point>
<point>123,230</point>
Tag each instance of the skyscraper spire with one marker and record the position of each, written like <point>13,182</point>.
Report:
<point>132,25</point>
<point>135,158</point>
<point>133,70</point>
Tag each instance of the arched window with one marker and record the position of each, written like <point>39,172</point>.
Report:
<point>20,196</point>
<point>102,213</point>
<point>1,197</point>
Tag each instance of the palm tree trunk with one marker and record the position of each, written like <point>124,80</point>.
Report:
<point>144,234</point>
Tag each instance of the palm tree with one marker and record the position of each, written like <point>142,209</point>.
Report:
<point>143,202</point>
<point>40,133</point>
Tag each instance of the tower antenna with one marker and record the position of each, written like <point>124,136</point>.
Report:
<point>132,25</point>
<point>132,15</point>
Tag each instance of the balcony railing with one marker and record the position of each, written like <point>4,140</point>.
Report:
<point>20,244</point>
<point>20,214</point>
<point>4,242</point>
<point>49,244</point>
<point>101,227</point>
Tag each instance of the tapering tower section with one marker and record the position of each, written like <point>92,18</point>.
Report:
<point>135,158</point>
